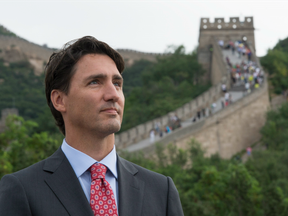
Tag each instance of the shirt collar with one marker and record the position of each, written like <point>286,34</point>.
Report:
<point>81,162</point>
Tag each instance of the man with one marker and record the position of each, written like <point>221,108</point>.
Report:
<point>85,176</point>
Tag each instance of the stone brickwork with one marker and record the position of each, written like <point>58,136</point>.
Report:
<point>228,131</point>
<point>188,110</point>
<point>220,71</point>
<point>235,128</point>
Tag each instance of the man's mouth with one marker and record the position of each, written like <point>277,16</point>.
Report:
<point>111,110</point>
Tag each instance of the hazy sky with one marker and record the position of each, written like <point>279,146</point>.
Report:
<point>148,26</point>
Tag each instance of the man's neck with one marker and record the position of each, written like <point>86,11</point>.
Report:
<point>95,147</point>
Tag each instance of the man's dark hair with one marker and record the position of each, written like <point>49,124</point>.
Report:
<point>61,67</point>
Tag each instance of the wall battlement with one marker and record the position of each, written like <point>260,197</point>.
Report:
<point>34,51</point>
<point>209,33</point>
<point>215,133</point>
<point>220,24</point>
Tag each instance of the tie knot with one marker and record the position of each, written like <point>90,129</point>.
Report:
<point>98,171</point>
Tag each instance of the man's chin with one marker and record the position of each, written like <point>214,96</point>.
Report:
<point>111,128</point>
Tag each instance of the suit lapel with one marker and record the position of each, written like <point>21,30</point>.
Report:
<point>65,185</point>
<point>131,189</point>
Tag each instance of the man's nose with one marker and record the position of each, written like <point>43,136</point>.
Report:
<point>111,92</point>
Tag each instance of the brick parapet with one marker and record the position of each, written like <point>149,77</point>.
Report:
<point>184,112</point>
<point>226,132</point>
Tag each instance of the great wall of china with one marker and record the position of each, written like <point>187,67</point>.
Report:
<point>16,49</point>
<point>218,133</point>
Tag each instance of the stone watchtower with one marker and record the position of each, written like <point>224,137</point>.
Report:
<point>211,33</point>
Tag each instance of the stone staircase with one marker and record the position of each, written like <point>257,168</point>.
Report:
<point>234,59</point>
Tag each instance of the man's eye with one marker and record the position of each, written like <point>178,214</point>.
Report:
<point>117,84</point>
<point>93,82</point>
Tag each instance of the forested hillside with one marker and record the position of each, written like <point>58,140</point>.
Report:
<point>4,31</point>
<point>154,89</point>
<point>20,88</point>
<point>276,64</point>
<point>151,89</point>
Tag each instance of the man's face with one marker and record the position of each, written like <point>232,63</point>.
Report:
<point>95,101</point>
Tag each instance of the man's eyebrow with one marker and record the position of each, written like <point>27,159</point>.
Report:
<point>118,77</point>
<point>95,76</point>
<point>102,76</point>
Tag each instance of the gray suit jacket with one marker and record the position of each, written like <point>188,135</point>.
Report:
<point>51,188</point>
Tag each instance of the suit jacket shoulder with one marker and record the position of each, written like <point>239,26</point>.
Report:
<point>49,187</point>
<point>144,192</point>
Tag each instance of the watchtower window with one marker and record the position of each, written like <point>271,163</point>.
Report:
<point>204,21</point>
<point>234,20</point>
<point>234,26</point>
<point>219,26</point>
<point>249,20</point>
<point>205,26</point>
<point>219,21</point>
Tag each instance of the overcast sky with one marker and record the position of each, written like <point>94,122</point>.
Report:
<point>148,26</point>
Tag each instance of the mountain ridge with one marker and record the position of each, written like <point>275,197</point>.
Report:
<point>14,49</point>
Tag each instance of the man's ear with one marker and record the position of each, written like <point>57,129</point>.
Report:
<point>57,99</point>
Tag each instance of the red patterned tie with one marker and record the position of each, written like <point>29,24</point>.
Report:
<point>102,199</point>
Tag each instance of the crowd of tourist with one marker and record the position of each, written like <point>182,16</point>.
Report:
<point>247,73</point>
<point>173,123</point>
<point>239,46</point>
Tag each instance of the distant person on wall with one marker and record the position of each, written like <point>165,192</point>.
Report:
<point>239,50</point>
<point>223,86</point>
<point>228,61</point>
<point>168,129</point>
<point>152,136</point>
<point>232,47</point>
<point>249,54</point>
<point>247,87</point>
<point>85,176</point>
<point>227,96</point>
<point>249,151</point>
<point>199,114</point>
<point>213,106</point>
<point>222,104</point>
<point>204,112</point>
<point>157,127</point>
<point>243,50</point>
<point>221,43</point>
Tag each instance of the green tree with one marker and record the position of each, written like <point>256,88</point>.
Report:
<point>275,131</point>
<point>276,64</point>
<point>132,75</point>
<point>207,186</point>
<point>282,45</point>
<point>175,79</point>
<point>22,89</point>
<point>21,147</point>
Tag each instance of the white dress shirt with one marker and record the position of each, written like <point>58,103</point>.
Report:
<point>81,163</point>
